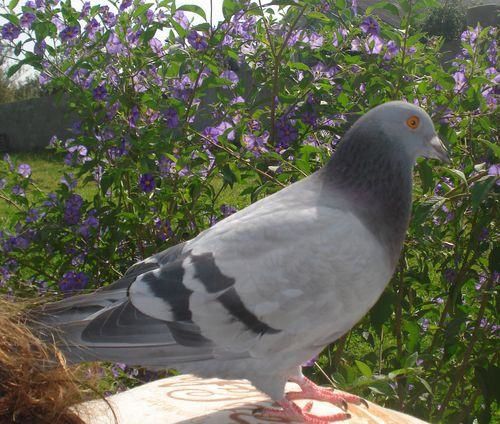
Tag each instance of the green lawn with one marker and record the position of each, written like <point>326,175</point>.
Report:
<point>46,174</point>
<point>48,170</point>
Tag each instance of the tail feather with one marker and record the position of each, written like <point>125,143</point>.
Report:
<point>106,326</point>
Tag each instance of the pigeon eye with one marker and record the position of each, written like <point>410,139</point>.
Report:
<point>413,122</point>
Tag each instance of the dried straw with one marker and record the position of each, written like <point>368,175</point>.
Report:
<point>36,386</point>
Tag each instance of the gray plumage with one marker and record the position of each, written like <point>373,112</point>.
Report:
<point>264,290</point>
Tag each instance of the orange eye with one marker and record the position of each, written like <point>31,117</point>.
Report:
<point>413,122</point>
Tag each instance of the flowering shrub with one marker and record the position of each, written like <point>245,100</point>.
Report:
<point>173,113</point>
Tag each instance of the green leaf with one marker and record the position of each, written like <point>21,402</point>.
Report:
<point>365,369</point>
<point>413,331</point>
<point>228,175</point>
<point>298,65</point>
<point>194,9</point>
<point>382,310</point>
<point>495,148</point>
<point>229,8</point>
<point>318,15</point>
<point>480,190</point>
<point>457,173</point>
<point>11,18</point>
<point>13,4</point>
<point>141,10</point>
<point>411,360</point>
<point>425,384</point>
<point>391,8</point>
<point>14,68</point>
<point>425,172</point>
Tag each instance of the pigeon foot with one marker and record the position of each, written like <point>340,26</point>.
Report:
<point>292,412</point>
<point>311,390</point>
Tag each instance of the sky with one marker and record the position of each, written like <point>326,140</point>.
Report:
<point>205,4</point>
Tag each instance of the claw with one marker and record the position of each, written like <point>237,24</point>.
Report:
<point>364,402</point>
<point>292,412</point>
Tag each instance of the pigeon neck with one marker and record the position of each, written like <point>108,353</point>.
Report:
<point>375,177</point>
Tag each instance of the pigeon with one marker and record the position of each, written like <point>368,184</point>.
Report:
<point>266,289</point>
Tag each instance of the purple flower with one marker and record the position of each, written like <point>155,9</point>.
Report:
<point>460,81</point>
<point>310,362</point>
<point>24,170</point>
<point>133,117</point>
<point>72,280</point>
<point>494,170</point>
<point>44,78</point>
<point>125,4</point>
<point>156,46</point>
<point>237,99</point>
<point>90,222</point>
<point>20,242</point>
<point>91,28</point>
<point>171,117</point>
<point>114,45</point>
<point>100,92</point>
<point>33,215</point>
<point>39,48</point>
<point>374,44</point>
<point>343,34</point>
<point>27,19</point>
<point>10,31</point>
<point>4,275</point>
<point>72,209</point>
<point>354,7</point>
<point>85,10</point>
<point>492,53</point>
<point>309,117</point>
<point>370,26</point>
<point>17,190</point>
<point>425,324</point>
<point>256,144</point>
<point>231,76</point>
<point>223,128</point>
<point>69,33</point>
<point>392,50</point>
<point>69,181</point>
<point>74,201</point>
<point>355,44</point>
<point>56,20</point>
<point>109,18</point>
<point>181,19</point>
<point>166,166</point>
<point>227,210</point>
<point>164,230</point>
<point>315,41</point>
<point>197,41</point>
<point>286,133</point>
<point>147,183</point>
<point>112,110</point>
<point>470,36</point>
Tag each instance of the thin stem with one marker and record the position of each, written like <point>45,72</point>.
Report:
<point>459,374</point>
<point>405,43</point>
<point>239,158</point>
<point>11,202</point>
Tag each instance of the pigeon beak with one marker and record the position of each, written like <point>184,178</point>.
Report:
<point>438,150</point>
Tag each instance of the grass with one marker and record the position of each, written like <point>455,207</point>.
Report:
<point>48,170</point>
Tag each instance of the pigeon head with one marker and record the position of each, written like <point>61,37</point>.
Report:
<point>409,128</point>
<point>372,165</point>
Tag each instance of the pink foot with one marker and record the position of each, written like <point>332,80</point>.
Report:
<point>292,412</point>
<point>313,391</point>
